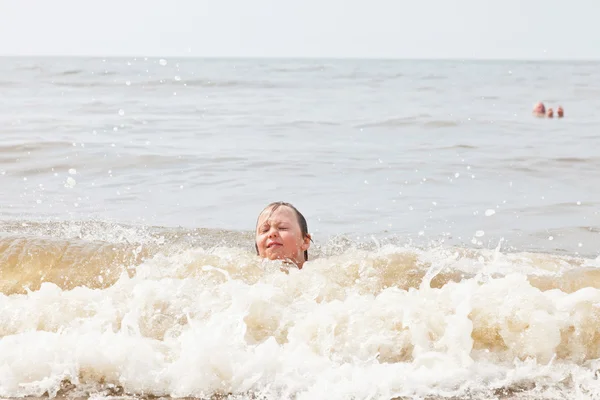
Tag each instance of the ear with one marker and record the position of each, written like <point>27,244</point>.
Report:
<point>306,242</point>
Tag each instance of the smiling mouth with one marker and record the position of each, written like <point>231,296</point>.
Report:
<point>273,245</point>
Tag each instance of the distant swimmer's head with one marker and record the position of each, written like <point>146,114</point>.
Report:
<point>550,113</point>
<point>282,234</point>
<point>539,109</point>
<point>560,112</point>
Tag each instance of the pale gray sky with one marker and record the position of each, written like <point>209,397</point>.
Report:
<point>522,29</point>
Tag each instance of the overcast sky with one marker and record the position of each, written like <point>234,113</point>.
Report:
<point>521,29</point>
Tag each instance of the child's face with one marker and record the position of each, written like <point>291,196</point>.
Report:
<point>279,236</point>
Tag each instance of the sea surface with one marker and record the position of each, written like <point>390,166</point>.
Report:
<point>456,237</point>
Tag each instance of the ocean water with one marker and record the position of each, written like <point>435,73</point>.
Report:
<point>456,236</point>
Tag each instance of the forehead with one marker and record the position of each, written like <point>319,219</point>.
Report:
<point>281,213</point>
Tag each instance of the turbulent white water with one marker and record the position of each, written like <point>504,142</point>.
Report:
<point>358,323</point>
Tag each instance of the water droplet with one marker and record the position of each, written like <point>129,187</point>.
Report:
<point>550,237</point>
<point>121,112</point>
<point>489,213</point>
<point>177,78</point>
<point>162,62</point>
<point>72,171</point>
<point>456,175</point>
<point>70,183</point>
<point>479,233</point>
<point>128,83</point>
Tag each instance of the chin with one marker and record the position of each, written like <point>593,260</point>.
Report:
<point>282,257</point>
<point>275,256</point>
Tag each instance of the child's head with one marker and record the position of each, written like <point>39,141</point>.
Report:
<point>282,234</point>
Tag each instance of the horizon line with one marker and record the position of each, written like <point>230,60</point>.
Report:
<point>341,58</point>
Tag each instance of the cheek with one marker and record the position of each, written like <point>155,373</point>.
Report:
<point>290,239</point>
<point>261,242</point>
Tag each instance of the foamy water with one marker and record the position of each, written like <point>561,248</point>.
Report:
<point>357,322</point>
<point>456,237</point>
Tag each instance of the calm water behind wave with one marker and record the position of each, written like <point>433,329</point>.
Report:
<point>362,147</point>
